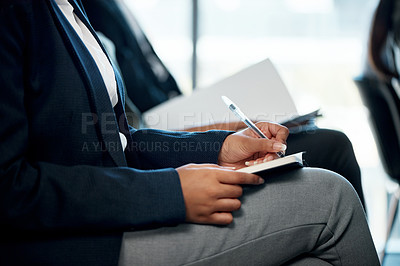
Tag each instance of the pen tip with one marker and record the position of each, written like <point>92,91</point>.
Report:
<point>226,100</point>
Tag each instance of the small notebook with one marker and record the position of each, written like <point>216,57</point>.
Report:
<point>289,161</point>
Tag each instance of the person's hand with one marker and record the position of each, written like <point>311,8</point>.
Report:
<point>211,192</point>
<point>247,148</point>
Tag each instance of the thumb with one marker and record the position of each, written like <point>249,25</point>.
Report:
<point>254,145</point>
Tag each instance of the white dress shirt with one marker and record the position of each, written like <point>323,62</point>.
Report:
<point>104,66</point>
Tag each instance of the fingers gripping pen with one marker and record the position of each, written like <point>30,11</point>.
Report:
<point>233,107</point>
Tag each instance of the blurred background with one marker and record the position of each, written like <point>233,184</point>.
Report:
<point>318,47</point>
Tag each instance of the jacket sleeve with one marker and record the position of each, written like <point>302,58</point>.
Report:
<point>159,149</point>
<point>40,196</point>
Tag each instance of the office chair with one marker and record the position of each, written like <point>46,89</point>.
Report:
<point>384,111</point>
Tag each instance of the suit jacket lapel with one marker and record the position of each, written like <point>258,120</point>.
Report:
<point>100,100</point>
<point>83,17</point>
<point>120,107</point>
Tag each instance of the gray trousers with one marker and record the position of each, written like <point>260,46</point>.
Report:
<point>301,217</point>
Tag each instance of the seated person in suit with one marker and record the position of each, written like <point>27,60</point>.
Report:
<point>149,83</point>
<point>74,176</point>
<point>384,42</point>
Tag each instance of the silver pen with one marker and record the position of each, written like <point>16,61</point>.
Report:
<point>233,107</point>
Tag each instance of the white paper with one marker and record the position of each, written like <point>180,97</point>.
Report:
<point>257,90</point>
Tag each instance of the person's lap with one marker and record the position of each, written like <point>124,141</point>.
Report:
<point>328,149</point>
<point>298,214</point>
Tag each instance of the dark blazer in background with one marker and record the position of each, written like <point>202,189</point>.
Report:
<point>67,190</point>
<point>148,82</point>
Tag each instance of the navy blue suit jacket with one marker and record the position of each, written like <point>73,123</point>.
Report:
<point>67,189</point>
